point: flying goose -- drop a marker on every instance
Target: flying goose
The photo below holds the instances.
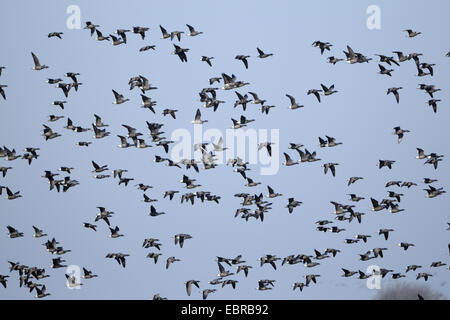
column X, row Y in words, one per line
column 433, row 103
column 171, row 260
column 428, row 66
column 311, row 278
column 41, row 293
column 119, row 98
column 206, row 292
column 244, row 268
column 100, row 36
column 90, row 226
column 122, row 34
column 405, row 246
column 154, row 213
column 145, row 48
column 3, row 170
column 400, row 133
column 385, row 163
column 423, row 275
column 192, row 31
column 98, row 169
column 412, row 267
column 292, row 204
column 322, row 45
column 179, row 238
column 37, row 65
column 207, row 60
column 355, row 198
column 38, row 233
column 243, row 58
column 1, row 69
column 14, row 233
column 316, row 92
column 294, row 104
column 378, row 252
column 72, row 281
column 385, row 232
column 180, row 52
column 387, row 60
column 88, row 274
column 141, row 31
column 189, row 284
column 401, row 57
column 412, row 34
column 3, row 280
column 272, row 194
column 348, row 273
column 394, row 91
column 119, row 257
column 330, row 166
column 328, row 91
column 56, row 263
column 170, row 111
column 430, row 89
column 263, row 55
column 352, row 180
column 90, row 26
column 154, row 256
column 242, row 100
column 383, row 70
column 334, row 60
column 2, row 92
column 12, row 195
column 115, row 232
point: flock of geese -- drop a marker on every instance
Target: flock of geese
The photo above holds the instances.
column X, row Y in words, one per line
column 253, row 206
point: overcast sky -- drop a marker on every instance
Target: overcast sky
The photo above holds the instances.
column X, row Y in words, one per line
column 360, row 115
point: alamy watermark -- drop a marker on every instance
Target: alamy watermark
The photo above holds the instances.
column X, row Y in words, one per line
column 243, row 143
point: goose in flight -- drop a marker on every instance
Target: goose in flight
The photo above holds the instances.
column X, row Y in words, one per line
column 171, row 260
column 3, row 170
column 328, row 91
column 292, row 203
column 198, row 119
column 243, row 58
column 119, row 257
column 294, row 104
column 180, row 52
column 38, row 233
column 385, row 232
column 192, row 31
column 119, row 99
column 98, row 169
column 289, row 161
column 400, row 133
column 433, row 103
column 376, row 206
column 41, row 293
column 423, row 275
column 412, row 34
column 179, row 238
column 88, row 274
column 154, row 213
column 401, row 57
column 189, row 284
column 316, row 92
column 37, row 65
column 207, row 60
column 355, row 198
column 12, row 195
column 348, row 273
column 405, row 246
column 394, row 91
column 177, row 34
column 145, row 48
column 385, row 163
column 322, row 45
column 206, row 292
column 100, row 36
column 331, row 166
column 13, row 233
column 387, row 60
column 90, row 226
column 352, row 180
column 242, row 100
column 72, row 281
column 2, row 91
column 383, row 70
column 115, row 232
column 123, row 34
column 141, row 31
column 263, row 55
column 433, row 192
column 90, row 26
column 334, row 60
